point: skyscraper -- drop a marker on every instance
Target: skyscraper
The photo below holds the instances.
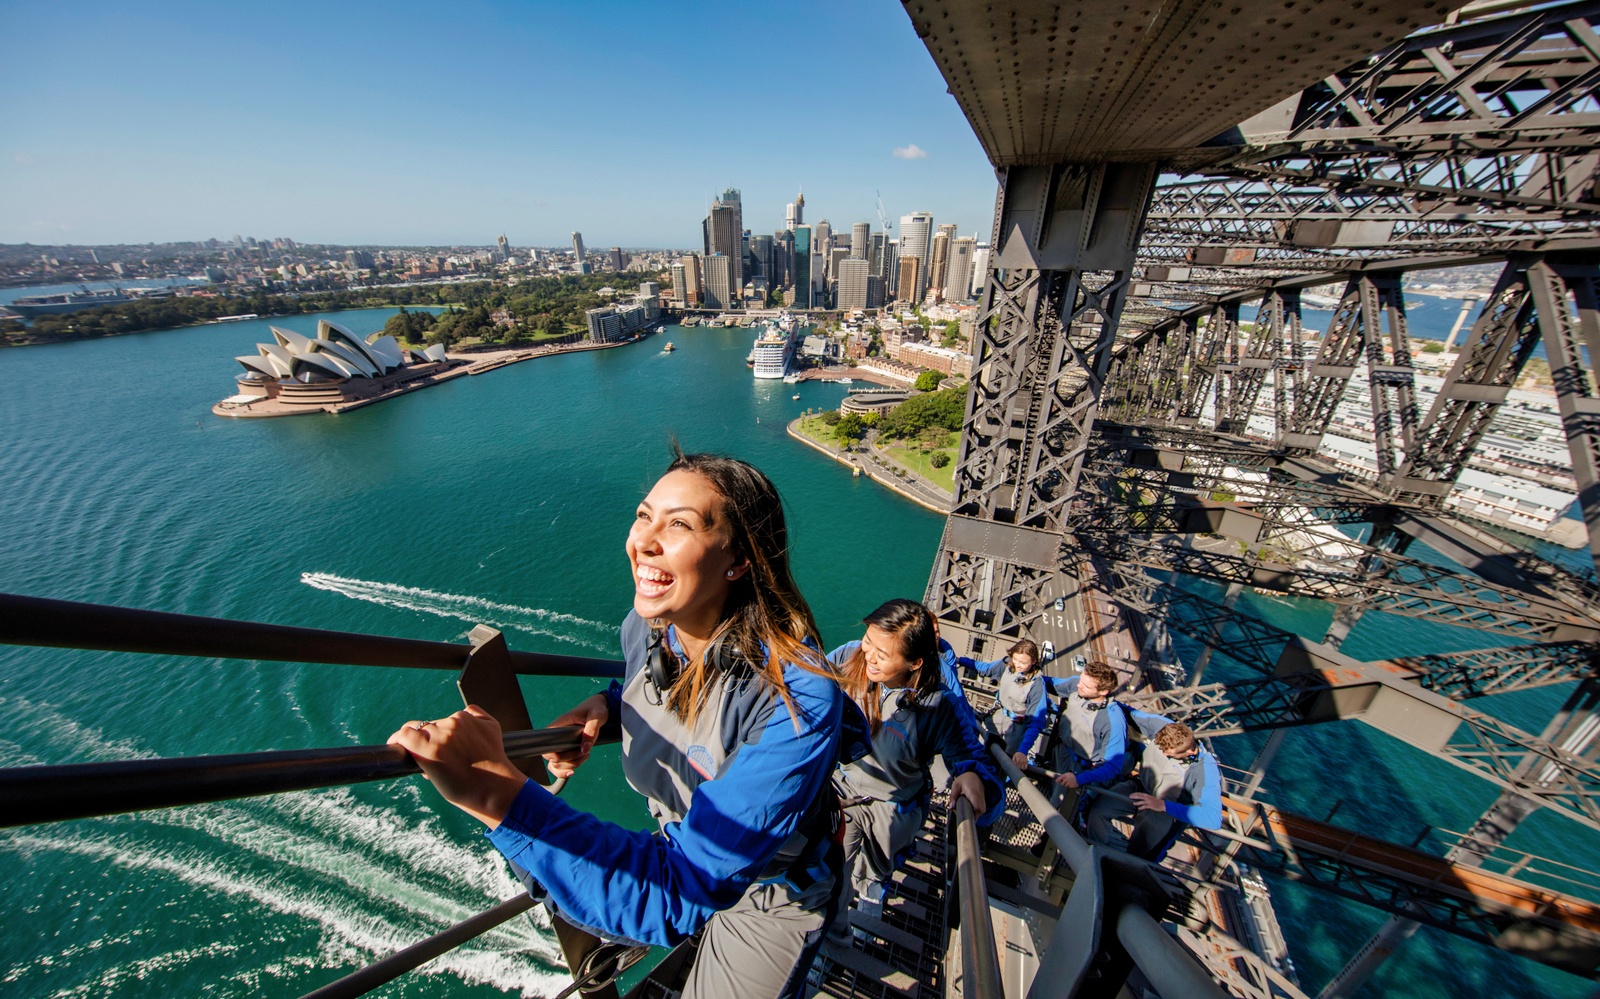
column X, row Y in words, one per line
column 837, row 256
column 502, row 244
column 794, row 214
column 938, row 260
column 860, row 240
column 617, row 263
column 761, row 250
column 680, row 284
column 916, row 235
column 980, row 269
column 577, row 250
column 909, row 280
column 854, row 280
column 958, row 272
column 719, row 282
column 732, row 199
column 822, row 238
column 724, row 236
column 802, row 267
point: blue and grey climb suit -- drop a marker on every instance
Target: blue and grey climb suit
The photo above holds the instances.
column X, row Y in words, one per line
column 736, row 796
column 888, row 790
column 1021, row 710
column 1192, row 792
column 1091, row 740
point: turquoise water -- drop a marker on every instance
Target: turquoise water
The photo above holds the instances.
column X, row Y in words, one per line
column 502, row 499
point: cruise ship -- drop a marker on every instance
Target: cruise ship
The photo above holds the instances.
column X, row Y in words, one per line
column 774, row 346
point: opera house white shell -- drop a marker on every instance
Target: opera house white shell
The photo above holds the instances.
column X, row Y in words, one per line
column 335, row 354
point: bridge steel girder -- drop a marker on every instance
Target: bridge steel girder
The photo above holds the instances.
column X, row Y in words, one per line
column 1064, row 238
column 1396, row 585
column 1259, row 646
column 1566, row 295
column 1501, row 342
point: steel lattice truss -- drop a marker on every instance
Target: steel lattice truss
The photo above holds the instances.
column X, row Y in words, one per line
column 1480, row 743
column 1259, row 646
column 1391, row 583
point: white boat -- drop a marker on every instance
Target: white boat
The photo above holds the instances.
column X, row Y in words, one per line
column 791, row 379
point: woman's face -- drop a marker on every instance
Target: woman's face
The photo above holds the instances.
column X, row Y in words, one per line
column 1022, row 663
column 679, row 550
column 886, row 664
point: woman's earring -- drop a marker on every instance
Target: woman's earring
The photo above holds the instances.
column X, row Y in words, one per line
column 731, row 574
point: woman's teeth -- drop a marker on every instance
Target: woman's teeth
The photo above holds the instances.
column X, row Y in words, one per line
column 651, row 581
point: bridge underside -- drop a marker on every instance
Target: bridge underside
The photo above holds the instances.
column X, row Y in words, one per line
column 1163, row 167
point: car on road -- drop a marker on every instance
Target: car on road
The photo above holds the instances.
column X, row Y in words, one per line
column 1078, row 663
column 1061, row 603
column 1049, row 651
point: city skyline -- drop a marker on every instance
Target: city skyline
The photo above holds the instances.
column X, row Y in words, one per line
column 182, row 123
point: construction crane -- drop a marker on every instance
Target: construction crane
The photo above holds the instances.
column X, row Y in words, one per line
column 883, row 218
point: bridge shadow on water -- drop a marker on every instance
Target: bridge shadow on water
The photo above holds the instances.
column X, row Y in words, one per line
column 1380, row 787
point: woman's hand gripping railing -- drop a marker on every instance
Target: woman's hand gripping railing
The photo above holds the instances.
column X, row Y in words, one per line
column 83, row 790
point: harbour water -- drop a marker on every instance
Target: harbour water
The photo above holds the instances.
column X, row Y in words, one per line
column 501, row 499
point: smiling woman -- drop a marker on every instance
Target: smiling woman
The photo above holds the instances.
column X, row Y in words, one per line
column 731, row 724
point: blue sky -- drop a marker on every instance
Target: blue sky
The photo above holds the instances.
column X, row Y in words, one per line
column 403, row 122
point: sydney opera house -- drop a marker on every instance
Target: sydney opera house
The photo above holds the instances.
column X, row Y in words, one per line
column 335, row 370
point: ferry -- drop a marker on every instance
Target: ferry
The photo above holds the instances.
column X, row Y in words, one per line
column 669, row 348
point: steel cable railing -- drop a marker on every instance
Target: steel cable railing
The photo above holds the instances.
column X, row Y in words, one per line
column 64, row 624
column 980, row 963
column 85, row 790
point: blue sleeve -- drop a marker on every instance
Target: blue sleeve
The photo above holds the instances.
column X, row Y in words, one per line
column 951, row 662
column 1149, row 724
column 839, row 656
column 1038, row 709
column 614, row 699
column 1207, row 812
column 961, row 756
column 1116, row 748
column 970, row 734
column 660, row 889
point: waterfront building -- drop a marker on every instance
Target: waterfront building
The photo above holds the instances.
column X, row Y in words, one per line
column 578, row 256
column 853, row 285
column 980, row 269
column 794, row 214
column 958, row 272
column 861, row 240
column 605, row 324
column 916, row 234
column 305, row 374
column 693, row 280
column 802, row 267
column 719, row 286
column 907, row 283
column 936, row 358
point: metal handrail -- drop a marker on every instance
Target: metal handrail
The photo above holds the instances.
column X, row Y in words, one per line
column 66, row 624
column 359, row 983
column 980, row 962
column 84, row 790
column 1160, row 957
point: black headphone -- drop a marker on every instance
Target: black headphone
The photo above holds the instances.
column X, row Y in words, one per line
column 661, row 666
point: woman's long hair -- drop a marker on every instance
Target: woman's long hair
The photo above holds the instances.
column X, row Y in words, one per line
column 764, row 608
column 912, row 626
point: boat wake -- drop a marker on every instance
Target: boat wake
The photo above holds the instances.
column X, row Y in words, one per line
column 274, row 894
column 472, row 610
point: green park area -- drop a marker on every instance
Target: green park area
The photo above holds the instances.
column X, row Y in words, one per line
column 922, row 462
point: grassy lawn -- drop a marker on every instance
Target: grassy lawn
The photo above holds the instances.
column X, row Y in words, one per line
column 922, row 464
column 814, row 428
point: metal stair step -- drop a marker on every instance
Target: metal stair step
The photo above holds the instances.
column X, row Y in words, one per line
column 871, row 967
